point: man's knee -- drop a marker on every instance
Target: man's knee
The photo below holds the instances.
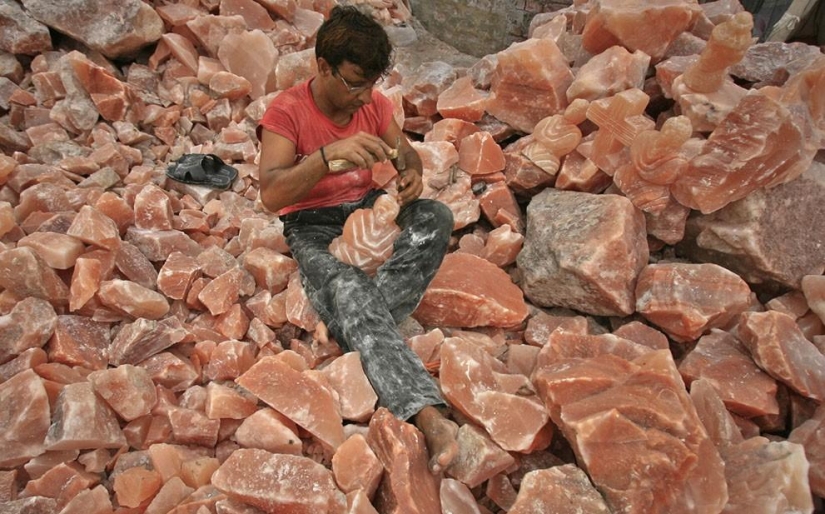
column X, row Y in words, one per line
column 430, row 216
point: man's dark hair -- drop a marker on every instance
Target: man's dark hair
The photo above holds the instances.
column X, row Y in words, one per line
column 350, row 35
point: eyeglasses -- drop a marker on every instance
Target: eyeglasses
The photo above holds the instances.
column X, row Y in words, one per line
column 356, row 90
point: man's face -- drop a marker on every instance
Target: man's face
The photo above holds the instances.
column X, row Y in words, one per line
column 353, row 90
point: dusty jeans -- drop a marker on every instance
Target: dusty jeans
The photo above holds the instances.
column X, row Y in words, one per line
column 363, row 312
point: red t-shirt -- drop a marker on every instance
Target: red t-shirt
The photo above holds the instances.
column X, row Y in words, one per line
column 294, row 115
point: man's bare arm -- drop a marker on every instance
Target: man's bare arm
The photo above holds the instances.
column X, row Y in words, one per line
column 284, row 182
column 410, row 185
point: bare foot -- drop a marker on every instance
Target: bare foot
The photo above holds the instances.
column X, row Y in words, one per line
column 440, row 435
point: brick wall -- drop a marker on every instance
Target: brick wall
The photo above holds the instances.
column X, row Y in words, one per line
column 481, row 27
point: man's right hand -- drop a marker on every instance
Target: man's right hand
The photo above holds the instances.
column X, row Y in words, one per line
column 363, row 150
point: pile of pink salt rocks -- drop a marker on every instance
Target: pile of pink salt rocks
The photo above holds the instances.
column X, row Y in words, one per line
column 629, row 319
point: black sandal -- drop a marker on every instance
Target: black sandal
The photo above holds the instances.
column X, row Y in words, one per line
column 202, row 170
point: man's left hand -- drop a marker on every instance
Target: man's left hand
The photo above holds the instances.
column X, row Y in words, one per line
column 409, row 186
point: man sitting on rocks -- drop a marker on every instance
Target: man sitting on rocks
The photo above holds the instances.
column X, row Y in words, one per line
column 337, row 115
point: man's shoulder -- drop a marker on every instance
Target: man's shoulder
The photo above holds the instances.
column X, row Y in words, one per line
column 296, row 95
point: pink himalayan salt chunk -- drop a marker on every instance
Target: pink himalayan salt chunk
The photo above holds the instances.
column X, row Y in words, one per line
column 228, row 85
column 24, row 418
column 355, row 466
column 359, row 503
column 26, row 274
column 177, row 275
column 132, row 299
column 478, row 458
column 171, row 493
column 282, row 8
column 583, row 252
column 95, row 228
column 90, row 501
column 143, row 338
column 190, row 426
column 233, row 323
column 646, row 335
column 408, row 484
column 479, row 154
column 8, row 485
column 127, row 389
column 36, row 504
column 269, row 430
column 452, row 130
column 229, row 360
column 614, row 22
column 198, row 472
column 811, row 435
column 297, row 397
column 210, row 30
column 541, row 325
column 521, row 358
column 278, row 483
column 462, row 101
column 685, row 300
column 270, row 268
column 216, row 261
column 368, row 236
column 42, row 464
column 177, row 46
column 170, row 371
column 776, row 151
column 792, row 303
column 158, row 245
column 724, row 362
column 422, row 88
column 131, row 262
column 26, row 360
column 59, row 251
column 468, row 291
column 223, row 292
column 563, row 344
column 668, row 225
column 43, row 197
column 7, row 221
column 85, row 282
column 780, row 348
column 254, row 14
column 813, row 287
column 561, row 489
column 308, row 21
column 480, row 387
column 80, row 341
column 457, row 498
column 136, row 485
column 633, row 412
column 62, row 482
column 579, row 173
column 30, row 324
column 355, row 393
column 767, row 476
column 153, row 209
column 292, row 68
column 299, row 311
column 83, row 421
column 258, row 68
column 718, row 421
column 500, row 207
column 228, row 402
column 608, row 73
column 501, row 491
column 529, row 83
